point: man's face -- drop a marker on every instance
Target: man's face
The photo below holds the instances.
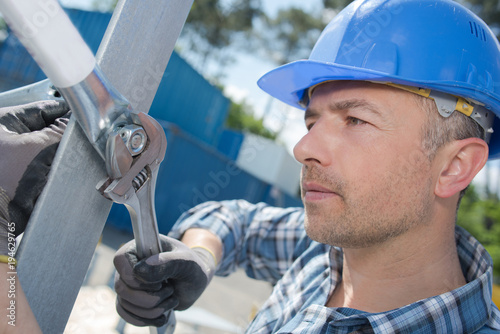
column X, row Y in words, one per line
column 365, row 177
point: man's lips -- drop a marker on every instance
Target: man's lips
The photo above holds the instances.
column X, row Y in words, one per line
column 315, row 192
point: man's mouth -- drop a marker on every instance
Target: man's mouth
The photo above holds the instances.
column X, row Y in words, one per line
column 313, row 191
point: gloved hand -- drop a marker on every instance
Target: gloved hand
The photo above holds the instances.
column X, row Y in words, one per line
column 171, row 280
column 29, row 136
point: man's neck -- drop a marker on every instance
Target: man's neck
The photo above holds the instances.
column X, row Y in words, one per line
column 418, row 265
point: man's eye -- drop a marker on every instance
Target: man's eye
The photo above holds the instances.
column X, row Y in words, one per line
column 355, row 121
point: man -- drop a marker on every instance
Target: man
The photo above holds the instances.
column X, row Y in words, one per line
column 394, row 137
column 400, row 99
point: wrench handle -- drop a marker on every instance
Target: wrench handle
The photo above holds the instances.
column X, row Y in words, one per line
column 143, row 215
column 144, row 224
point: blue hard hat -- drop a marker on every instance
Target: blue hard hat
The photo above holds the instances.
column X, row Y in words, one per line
column 434, row 44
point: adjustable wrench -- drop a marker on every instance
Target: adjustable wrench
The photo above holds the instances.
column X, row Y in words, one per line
column 132, row 179
column 133, row 158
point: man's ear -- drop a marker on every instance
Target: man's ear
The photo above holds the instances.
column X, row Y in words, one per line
column 462, row 160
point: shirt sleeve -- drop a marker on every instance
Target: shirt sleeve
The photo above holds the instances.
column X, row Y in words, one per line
column 261, row 239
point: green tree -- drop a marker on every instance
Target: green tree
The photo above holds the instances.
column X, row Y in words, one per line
column 336, row 4
column 104, row 5
column 292, row 34
column 289, row 36
column 241, row 118
column 3, row 30
column 213, row 26
column 482, row 219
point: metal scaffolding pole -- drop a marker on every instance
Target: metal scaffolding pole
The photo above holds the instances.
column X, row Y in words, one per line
column 69, row 217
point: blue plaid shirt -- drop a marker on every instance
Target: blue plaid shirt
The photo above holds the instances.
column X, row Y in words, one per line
column 271, row 244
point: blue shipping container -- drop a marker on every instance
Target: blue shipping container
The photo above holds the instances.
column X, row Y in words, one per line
column 230, row 143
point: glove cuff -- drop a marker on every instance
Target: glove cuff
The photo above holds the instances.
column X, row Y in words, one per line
column 209, row 260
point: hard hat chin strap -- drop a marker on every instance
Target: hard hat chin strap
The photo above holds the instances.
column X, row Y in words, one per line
column 447, row 104
column 478, row 113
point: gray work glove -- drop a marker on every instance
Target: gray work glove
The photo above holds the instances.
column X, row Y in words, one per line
column 29, row 136
column 173, row 280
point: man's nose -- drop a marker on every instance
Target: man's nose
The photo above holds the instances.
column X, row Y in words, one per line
column 315, row 147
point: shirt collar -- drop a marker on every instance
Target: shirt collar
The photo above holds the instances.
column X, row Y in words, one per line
column 465, row 309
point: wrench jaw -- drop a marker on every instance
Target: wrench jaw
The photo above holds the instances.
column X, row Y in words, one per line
column 140, row 205
column 132, row 180
column 118, row 162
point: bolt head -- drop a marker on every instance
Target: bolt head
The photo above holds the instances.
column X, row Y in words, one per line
column 134, row 137
column 137, row 140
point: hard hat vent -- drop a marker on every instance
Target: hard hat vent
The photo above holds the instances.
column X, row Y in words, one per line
column 477, row 30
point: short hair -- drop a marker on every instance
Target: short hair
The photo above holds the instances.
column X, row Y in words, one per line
column 439, row 131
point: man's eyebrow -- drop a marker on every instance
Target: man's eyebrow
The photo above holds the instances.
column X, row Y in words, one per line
column 347, row 105
column 309, row 113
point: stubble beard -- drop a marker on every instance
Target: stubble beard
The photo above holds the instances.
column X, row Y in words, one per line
column 353, row 221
